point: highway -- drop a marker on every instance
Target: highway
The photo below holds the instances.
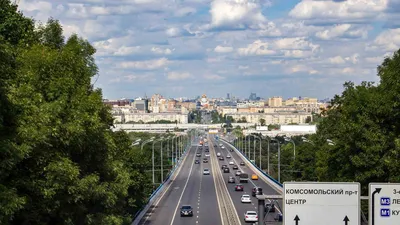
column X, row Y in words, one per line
column 241, row 208
column 190, row 187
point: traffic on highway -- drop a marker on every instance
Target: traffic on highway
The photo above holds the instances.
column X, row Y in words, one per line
column 214, row 185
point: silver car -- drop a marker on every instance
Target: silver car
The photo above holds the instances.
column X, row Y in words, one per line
column 206, row 171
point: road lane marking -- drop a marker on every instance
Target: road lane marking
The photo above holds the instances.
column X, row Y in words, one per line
column 250, row 179
column 184, row 188
column 166, row 190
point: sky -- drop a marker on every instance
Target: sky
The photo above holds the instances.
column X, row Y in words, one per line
column 186, row 48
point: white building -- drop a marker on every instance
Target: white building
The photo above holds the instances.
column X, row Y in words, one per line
column 131, row 115
column 273, row 118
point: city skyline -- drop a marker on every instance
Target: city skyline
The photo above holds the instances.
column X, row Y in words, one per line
column 270, row 47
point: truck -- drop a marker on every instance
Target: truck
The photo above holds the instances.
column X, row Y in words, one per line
column 244, row 178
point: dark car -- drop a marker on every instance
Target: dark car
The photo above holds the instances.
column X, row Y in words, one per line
column 197, row 161
column 186, row 210
column 198, row 155
column 226, row 170
column 242, row 163
column 256, row 191
column 215, row 145
column 223, row 166
column 205, row 160
column 235, row 167
column 221, row 158
column 231, row 180
column 270, row 207
column 231, row 150
column 239, row 187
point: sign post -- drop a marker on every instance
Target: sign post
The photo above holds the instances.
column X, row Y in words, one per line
column 317, row 203
column 384, row 204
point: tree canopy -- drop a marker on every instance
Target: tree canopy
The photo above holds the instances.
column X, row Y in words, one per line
column 59, row 161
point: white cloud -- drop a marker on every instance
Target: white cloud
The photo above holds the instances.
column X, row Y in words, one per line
column 256, row 48
column 343, row 31
column 330, row 11
column 354, row 59
column 235, row 12
column 145, row 65
column 161, row 51
column 178, row 75
column 213, row 77
column 388, row 40
column 222, row 49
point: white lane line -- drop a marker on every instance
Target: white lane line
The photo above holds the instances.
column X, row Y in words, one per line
column 184, row 188
column 170, row 185
column 252, row 172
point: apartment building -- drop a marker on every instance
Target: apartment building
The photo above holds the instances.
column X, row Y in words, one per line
column 273, row 118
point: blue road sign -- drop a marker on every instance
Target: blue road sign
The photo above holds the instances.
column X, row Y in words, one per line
column 385, row 212
column 385, row 201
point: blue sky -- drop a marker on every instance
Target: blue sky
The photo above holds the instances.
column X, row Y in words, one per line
column 185, row 48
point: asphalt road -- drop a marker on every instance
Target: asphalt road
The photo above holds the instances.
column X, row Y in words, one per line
column 190, row 187
column 241, row 208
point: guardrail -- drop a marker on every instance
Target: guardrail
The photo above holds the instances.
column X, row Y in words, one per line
column 142, row 212
column 274, row 183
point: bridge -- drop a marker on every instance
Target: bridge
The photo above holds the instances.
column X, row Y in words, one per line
column 213, row 199
column 162, row 128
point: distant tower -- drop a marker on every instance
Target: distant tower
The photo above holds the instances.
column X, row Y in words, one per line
column 228, row 96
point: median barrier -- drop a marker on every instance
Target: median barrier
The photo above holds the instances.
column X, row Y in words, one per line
column 158, row 192
column 266, row 177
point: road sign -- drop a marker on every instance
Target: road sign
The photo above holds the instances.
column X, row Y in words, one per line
column 317, row 203
column 384, row 204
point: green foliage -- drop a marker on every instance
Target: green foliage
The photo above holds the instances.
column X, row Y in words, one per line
column 262, row 122
column 59, row 161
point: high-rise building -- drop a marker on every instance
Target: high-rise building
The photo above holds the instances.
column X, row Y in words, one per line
column 253, row 97
column 275, row 101
column 228, row 96
column 141, row 104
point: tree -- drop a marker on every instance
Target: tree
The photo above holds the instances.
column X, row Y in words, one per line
column 60, row 161
column 262, row 122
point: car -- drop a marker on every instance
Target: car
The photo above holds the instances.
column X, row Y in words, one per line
column 239, row 187
column 231, row 150
column 231, row 163
column 196, row 161
column 238, row 173
column 235, row 167
column 221, row 158
column 215, row 145
column 206, row 171
column 254, row 177
column 269, row 207
column 245, row 199
column 205, row 160
column 231, row 180
column 256, row 191
column 242, row 163
column 251, row 216
column 223, row 166
column 218, row 154
column 207, row 155
column 186, row 210
column 226, row 170
column 223, row 147
column 228, row 156
column 198, row 155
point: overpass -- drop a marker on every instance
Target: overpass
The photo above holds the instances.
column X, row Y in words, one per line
column 213, row 199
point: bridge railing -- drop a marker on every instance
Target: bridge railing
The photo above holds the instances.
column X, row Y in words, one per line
column 263, row 175
column 158, row 192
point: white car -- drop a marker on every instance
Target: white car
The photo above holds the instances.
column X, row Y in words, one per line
column 246, row 199
column 206, row 171
column 231, row 163
column 251, row 216
column 223, row 147
column 218, row 154
column 228, row 156
column 207, row 155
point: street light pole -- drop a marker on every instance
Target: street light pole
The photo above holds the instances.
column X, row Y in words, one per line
column 152, row 159
column 294, row 147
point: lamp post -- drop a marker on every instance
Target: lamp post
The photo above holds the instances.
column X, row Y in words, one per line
column 152, row 158
column 279, row 159
column 145, row 142
column 255, row 149
column 288, row 139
